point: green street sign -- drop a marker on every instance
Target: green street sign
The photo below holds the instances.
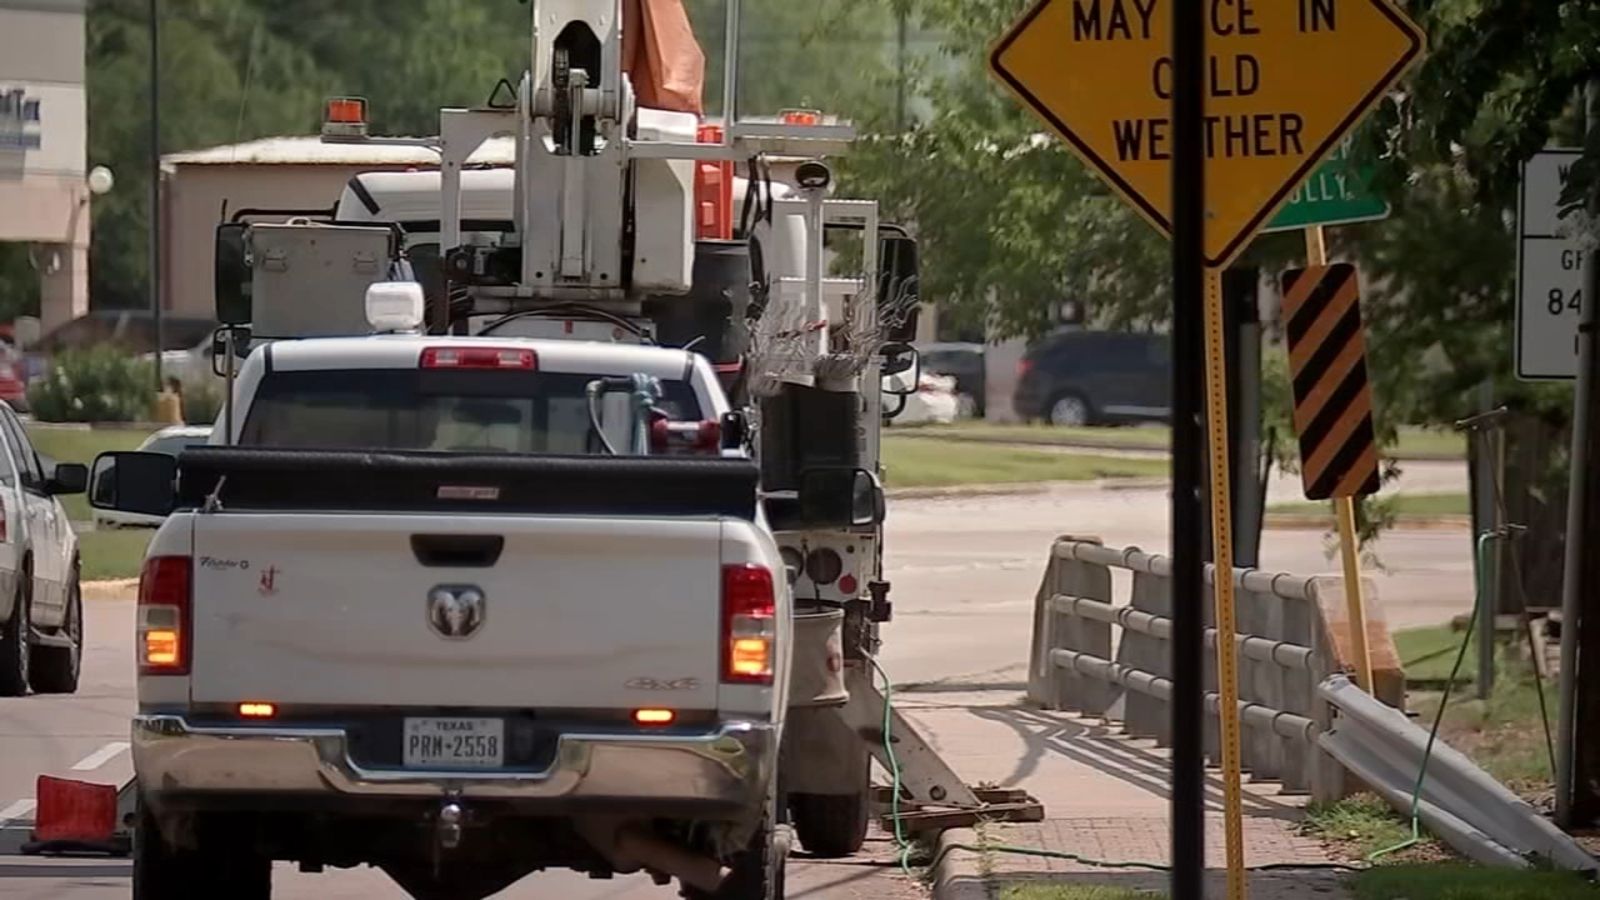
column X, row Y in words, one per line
column 1337, row 193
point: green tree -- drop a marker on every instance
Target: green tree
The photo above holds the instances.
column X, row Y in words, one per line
column 833, row 55
column 1011, row 223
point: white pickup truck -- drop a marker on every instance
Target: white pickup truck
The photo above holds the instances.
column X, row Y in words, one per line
column 418, row 616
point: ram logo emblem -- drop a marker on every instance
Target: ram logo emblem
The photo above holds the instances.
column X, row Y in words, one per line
column 456, row 611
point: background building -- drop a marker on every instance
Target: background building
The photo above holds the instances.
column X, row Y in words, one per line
column 44, row 200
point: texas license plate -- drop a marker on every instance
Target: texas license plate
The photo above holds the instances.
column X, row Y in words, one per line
column 454, row 743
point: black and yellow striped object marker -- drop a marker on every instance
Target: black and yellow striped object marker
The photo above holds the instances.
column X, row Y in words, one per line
column 1333, row 411
column 1332, row 395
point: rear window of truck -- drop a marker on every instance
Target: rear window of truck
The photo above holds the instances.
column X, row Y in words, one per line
column 447, row 411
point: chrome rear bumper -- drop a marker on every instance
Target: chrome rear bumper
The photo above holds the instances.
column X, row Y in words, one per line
column 726, row 767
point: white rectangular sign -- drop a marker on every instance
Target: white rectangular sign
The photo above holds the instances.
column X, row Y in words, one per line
column 1549, row 272
column 42, row 129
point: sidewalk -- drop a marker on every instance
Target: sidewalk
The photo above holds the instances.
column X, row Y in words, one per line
column 1106, row 798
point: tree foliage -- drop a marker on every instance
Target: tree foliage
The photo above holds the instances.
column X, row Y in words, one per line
column 1012, row 225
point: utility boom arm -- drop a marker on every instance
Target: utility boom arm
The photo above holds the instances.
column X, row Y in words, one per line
column 604, row 188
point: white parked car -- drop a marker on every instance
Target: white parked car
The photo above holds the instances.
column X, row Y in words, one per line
column 934, row 403
column 41, row 609
column 170, row 440
column 192, row 367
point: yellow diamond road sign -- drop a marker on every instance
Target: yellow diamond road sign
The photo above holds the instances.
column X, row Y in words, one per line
column 1285, row 81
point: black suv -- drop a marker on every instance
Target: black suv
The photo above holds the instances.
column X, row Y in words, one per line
column 1095, row 377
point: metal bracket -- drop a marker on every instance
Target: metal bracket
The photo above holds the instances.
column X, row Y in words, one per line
column 924, row 777
column 998, row 805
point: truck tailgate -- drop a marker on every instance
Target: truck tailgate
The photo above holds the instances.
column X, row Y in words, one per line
column 456, row 611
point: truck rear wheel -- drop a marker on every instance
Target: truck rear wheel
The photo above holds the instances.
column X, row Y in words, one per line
column 757, row 872
column 831, row 826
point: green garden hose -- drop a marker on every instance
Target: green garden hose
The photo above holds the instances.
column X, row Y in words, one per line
column 1438, row 717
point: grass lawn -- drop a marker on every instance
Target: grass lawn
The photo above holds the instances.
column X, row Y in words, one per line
column 1428, row 653
column 1362, row 825
column 81, row 445
column 1460, row 881
column 113, row 554
column 1414, row 442
column 917, row 462
column 1428, row 505
column 1505, row 734
column 1073, row 892
column 1144, row 437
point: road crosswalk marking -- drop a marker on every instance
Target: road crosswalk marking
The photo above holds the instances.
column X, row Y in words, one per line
column 18, row 810
column 100, row 757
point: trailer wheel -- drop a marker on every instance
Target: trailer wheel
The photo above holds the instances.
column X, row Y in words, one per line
column 832, row 826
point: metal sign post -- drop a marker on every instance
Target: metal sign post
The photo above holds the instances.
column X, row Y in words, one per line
column 1188, row 186
column 1222, row 582
column 1344, row 511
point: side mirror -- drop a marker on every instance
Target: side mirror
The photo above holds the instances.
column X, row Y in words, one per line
column 899, row 281
column 219, row 347
column 902, row 370
column 135, row 482
column 735, row 430
column 67, row 478
column 232, row 274
column 840, row 498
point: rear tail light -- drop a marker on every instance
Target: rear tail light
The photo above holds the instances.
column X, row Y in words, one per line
column 165, row 616
column 749, row 626
column 1024, row 366
column 478, row 358
column 5, row 533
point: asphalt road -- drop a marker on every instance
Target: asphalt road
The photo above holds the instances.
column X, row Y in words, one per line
column 964, row 572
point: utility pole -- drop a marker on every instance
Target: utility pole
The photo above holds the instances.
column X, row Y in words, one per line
column 900, row 76
column 155, row 183
column 1240, row 289
column 1577, row 765
column 1188, row 515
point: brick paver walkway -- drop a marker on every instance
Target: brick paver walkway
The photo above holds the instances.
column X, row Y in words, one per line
column 1105, row 796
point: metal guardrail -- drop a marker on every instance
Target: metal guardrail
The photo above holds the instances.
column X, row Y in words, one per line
column 1459, row 802
column 1094, row 656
